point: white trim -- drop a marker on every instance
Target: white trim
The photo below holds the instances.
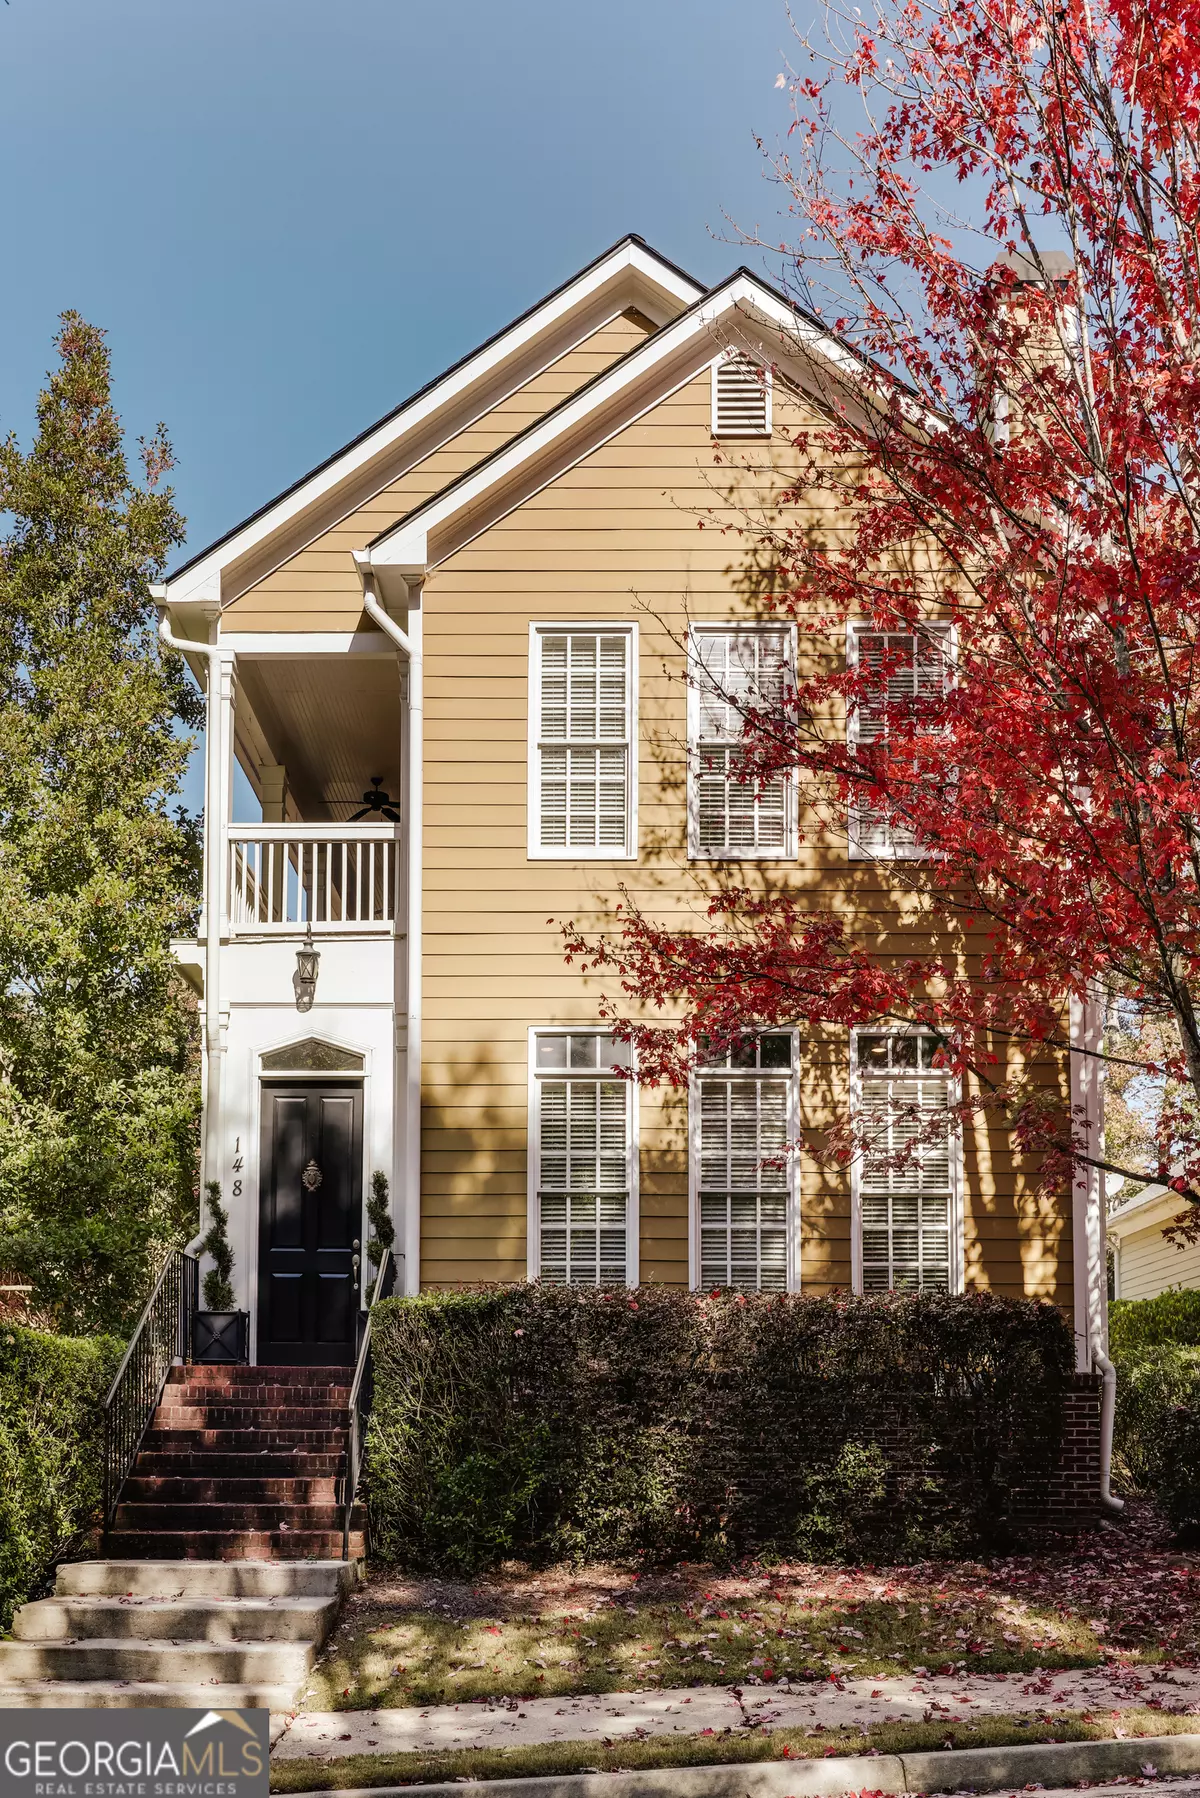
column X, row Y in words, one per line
column 534, row 848
column 957, row 1219
column 533, row 1149
column 768, row 381
column 723, row 627
column 794, row 1184
column 626, row 256
column 857, row 628
column 300, row 644
column 408, row 545
column 1090, row 1273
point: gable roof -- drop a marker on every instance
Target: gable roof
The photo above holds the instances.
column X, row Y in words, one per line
column 633, row 271
column 743, row 304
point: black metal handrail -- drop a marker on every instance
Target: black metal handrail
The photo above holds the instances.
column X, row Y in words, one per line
column 360, row 1404
column 163, row 1335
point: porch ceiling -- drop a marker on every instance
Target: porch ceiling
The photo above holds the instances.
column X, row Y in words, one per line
column 332, row 721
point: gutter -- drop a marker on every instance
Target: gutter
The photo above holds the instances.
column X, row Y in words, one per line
column 410, row 644
column 214, row 1048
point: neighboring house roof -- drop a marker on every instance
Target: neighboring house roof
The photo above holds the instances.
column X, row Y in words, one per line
column 1152, row 1205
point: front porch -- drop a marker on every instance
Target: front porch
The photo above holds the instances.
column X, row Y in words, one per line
column 302, row 968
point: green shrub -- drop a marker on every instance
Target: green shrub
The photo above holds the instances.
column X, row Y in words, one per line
column 1137, row 1324
column 1150, row 1385
column 1177, row 1486
column 51, row 1392
column 544, row 1422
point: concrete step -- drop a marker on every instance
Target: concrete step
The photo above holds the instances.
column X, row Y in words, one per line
column 164, row 1578
column 258, row 1464
column 222, row 1620
column 234, row 1545
column 265, row 1516
column 192, row 1489
column 100, row 1694
column 187, row 1663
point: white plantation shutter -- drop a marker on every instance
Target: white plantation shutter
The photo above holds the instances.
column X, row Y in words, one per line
column 741, row 398
column 584, row 1144
column 917, row 668
column 907, row 1209
column 584, row 707
column 743, row 1186
column 737, row 669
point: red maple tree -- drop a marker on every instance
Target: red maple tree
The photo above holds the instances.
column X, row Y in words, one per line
column 1018, row 478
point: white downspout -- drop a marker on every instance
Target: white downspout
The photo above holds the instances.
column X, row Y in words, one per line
column 214, row 1053
column 410, row 643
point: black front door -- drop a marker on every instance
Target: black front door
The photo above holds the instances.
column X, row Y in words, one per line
column 310, row 1212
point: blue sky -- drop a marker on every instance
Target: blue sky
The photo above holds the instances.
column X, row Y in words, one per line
column 290, row 214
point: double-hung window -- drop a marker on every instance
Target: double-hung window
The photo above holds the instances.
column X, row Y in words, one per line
column 902, row 669
column 583, row 1167
column 743, row 1207
column 736, row 669
column 582, row 771
column 907, row 1171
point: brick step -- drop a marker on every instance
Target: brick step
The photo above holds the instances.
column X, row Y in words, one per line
column 234, row 1545
column 161, row 1578
column 109, row 1694
column 263, row 1663
column 272, row 1398
column 144, row 1487
column 256, row 1464
column 217, row 1620
column 281, row 1441
column 221, row 1416
column 151, row 1516
column 266, row 1374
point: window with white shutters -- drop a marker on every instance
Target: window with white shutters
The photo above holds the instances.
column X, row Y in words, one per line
column 735, row 669
column 583, row 1161
column 581, row 774
column 907, row 1172
column 741, row 402
column 909, row 666
column 741, row 1128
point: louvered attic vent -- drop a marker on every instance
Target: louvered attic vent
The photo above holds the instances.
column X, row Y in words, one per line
column 741, row 398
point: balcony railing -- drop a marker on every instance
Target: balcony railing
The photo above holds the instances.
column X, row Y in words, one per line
column 285, row 878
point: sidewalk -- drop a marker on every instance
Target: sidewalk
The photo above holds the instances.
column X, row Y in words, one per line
column 509, row 1723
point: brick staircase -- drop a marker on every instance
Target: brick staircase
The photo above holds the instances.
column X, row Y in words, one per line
column 240, row 1464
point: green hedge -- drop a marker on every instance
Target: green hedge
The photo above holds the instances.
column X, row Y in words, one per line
column 545, row 1423
column 1136, row 1324
column 51, row 1392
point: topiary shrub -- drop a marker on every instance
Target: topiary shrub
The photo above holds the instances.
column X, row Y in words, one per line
column 1137, row 1324
column 52, row 1392
column 218, row 1281
column 547, row 1422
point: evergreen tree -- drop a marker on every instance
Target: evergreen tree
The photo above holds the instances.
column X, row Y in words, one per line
column 98, row 866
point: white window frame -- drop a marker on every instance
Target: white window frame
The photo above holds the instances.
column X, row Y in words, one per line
column 727, row 627
column 793, row 1187
column 768, row 380
column 956, row 1269
column 533, row 1254
column 856, row 628
column 535, row 849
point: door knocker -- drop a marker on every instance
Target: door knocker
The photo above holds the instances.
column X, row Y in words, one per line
column 311, row 1177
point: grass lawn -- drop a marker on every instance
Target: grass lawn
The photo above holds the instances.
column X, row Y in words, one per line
column 1121, row 1594
column 691, row 1751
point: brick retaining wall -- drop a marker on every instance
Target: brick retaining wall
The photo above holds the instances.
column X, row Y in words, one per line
column 1070, row 1496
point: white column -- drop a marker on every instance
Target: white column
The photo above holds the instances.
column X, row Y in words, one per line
column 218, row 805
column 409, row 1083
column 1086, row 1024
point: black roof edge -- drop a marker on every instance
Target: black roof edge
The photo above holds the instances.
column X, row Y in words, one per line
column 420, row 392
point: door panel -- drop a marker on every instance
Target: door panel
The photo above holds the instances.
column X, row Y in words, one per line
column 310, row 1208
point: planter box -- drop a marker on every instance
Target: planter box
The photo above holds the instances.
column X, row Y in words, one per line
column 221, row 1336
